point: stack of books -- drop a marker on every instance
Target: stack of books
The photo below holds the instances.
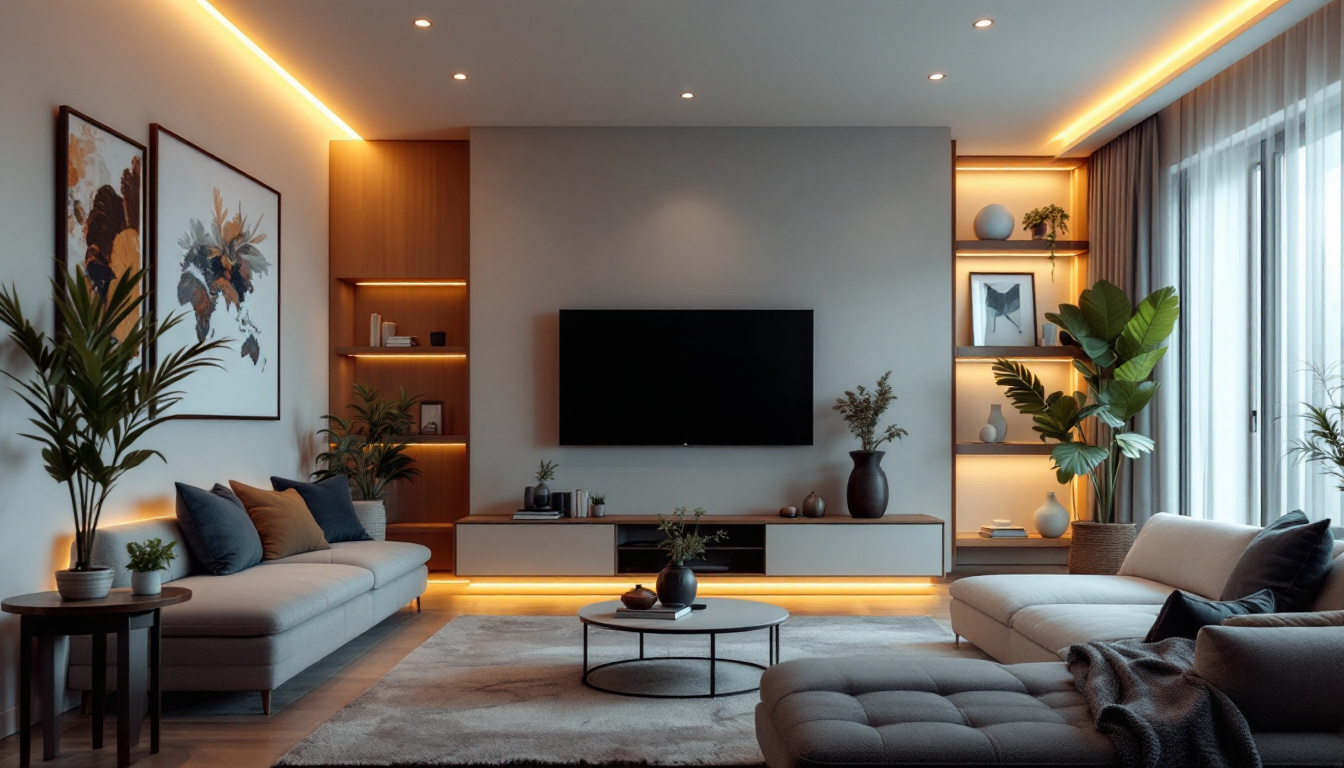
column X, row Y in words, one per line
column 402, row 341
column 537, row 514
column 998, row 531
column 656, row 612
column 580, row 500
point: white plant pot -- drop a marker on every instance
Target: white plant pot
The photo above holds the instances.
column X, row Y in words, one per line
column 598, row 510
column 372, row 515
column 1052, row 519
column 150, row 583
column 84, row 585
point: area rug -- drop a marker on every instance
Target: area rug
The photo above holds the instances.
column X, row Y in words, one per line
column 506, row 690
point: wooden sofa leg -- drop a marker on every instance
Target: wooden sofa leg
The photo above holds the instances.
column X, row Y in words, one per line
column 417, row 604
column 265, row 702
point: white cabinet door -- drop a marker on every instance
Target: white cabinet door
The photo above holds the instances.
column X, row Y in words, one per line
column 854, row 550
column 536, row 549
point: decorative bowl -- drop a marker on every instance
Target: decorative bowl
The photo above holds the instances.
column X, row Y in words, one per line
column 639, row 598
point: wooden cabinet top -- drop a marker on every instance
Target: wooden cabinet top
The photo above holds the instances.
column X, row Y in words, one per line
column 709, row 520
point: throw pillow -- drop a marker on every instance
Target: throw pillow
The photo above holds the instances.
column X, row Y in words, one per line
column 331, row 506
column 1183, row 613
column 1303, row 619
column 1281, row 678
column 1289, row 557
column 217, row 530
column 282, row 520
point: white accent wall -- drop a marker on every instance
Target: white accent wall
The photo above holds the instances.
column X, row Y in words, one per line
column 855, row 224
column 128, row 64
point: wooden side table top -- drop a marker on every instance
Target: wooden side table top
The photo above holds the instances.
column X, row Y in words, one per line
column 117, row 601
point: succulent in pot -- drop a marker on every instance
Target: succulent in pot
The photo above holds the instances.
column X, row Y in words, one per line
column 599, row 505
column 149, row 559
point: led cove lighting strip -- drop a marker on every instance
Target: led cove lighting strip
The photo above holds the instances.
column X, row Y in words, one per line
column 426, row 356
column 412, row 283
column 278, row 70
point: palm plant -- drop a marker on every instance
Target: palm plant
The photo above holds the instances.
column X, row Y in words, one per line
column 1121, row 344
column 1324, row 441
column 369, row 448
column 93, row 393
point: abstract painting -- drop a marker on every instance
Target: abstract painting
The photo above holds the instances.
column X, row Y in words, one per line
column 101, row 182
column 1003, row 309
column 216, row 248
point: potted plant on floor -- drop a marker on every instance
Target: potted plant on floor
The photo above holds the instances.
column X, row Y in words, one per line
column 1120, row 345
column 1044, row 224
column 369, row 450
column 149, row 559
column 95, row 392
column 866, row 492
column 676, row 582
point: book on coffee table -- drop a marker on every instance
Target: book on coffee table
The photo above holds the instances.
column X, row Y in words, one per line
column 657, row 612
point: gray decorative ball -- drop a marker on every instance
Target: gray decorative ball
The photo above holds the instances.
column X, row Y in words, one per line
column 994, row 222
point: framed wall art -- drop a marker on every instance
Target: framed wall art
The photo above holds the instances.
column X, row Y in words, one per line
column 216, row 256
column 1003, row 309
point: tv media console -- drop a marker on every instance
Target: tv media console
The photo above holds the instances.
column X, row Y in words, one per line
column 756, row 545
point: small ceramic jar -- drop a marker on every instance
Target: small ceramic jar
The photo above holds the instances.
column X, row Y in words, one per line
column 639, row 598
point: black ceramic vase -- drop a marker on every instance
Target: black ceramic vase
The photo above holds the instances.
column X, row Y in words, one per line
column 676, row 586
column 867, row 489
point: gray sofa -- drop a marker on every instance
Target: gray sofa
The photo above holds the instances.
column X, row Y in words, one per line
column 253, row 630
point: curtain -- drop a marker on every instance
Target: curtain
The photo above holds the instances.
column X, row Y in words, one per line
column 1126, row 248
column 1255, row 215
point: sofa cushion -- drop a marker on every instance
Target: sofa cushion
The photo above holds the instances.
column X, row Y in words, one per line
column 109, row 548
column 1184, row 614
column 1001, row 596
column 1290, row 557
column 1298, row 619
column 1281, row 678
column 1056, row 627
column 386, row 560
column 1331, row 597
column 262, row 601
column 1189, row 554
column 217, row 530
column 331, row 505
column 283, row 521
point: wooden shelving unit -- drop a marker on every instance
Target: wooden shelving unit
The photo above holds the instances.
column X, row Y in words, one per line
column 1039, row 249
column 421, row 351
column 1033, row 541
column 1017, row 353
column 1004, row 449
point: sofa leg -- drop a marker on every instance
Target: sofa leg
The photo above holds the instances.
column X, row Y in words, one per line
column 958, row 637
column 417, row 603
column 265, row 702
column 85, row 697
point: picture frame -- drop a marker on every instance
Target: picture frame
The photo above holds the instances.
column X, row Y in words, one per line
column 216, row 256
column 1003, row 309
column 100, row 203
column 431, row 417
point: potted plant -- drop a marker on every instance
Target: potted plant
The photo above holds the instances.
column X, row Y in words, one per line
column 149, row 559
column 369, row 449
column 599, row 505
column 95, row 392
column 1120, row 344
column 541, row 492
column 676, row 582
column 1324, row 441
column 1044, row 224
column 861, row 409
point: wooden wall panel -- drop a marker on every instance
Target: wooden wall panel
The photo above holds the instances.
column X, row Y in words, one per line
column 415, row 310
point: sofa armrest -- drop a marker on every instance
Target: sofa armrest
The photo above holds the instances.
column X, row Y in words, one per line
column 1281, row 678
column 1302, row 619
column 109, row 548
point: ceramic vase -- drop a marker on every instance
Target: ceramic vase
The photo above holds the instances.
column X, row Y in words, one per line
column 866, row 493
column 541, row 496
column 996, row 421
column 676, row 586
column 93, row 584
column 1051, row 518
column 148, row 583
column 994, row 222
column 814, row 505
column 372, row 514
column 639, row 598
column 598, row 510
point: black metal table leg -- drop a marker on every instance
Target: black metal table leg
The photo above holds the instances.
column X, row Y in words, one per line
column 585, row 651
column 25, row 692
column 99, row 687
column 155, row 698
column 777, row 631
column 713, row 660
column 641, row 645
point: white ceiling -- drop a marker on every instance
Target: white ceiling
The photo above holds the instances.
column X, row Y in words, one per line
column 1008, row 90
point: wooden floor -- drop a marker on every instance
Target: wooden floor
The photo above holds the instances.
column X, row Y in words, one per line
column 248, row 741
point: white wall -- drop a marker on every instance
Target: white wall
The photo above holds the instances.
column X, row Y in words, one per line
column 128, row 64
column 854, row 224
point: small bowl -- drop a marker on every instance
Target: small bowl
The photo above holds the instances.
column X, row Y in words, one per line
column 788, row 511
column 639, row 598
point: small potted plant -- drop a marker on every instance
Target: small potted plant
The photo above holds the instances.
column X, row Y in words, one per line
column 861, row 409
column 541, row 492
column 1044, row 224
column 676, row 582
column 149, row 559
column 599, row 505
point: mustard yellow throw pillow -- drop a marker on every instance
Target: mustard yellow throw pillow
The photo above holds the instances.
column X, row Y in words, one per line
column 283, row 521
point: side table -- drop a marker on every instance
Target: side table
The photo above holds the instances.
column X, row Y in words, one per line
column 45, row 617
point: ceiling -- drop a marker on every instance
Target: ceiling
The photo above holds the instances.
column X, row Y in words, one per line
column 1009, row 89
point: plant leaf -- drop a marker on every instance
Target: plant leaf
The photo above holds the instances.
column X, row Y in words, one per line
column 1153, row 321
column 1140, row 367
column 1133, row 444
column 1107, row 310
column 1078, row 458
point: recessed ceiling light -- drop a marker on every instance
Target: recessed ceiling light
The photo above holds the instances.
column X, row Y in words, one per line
column 984, row 23
column 937, row 76
column 688, row 95
column 424, row 23
column 460, row 76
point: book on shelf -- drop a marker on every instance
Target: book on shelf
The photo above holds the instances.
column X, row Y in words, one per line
column 1002, row 532
column 537, row 514
column 402, row 341
column 657, row 612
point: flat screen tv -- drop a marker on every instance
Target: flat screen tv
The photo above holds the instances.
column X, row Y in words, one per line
column 685, row 377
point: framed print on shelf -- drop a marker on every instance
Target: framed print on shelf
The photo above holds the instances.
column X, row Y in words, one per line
column 100, row 208
column 216, row 255
column 1003, row 309
column 431, row 417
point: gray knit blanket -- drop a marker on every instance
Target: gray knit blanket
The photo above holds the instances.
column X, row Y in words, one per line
column 1157, row 712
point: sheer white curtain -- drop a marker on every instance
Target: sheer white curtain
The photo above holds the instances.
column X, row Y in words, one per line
column 1255, row 214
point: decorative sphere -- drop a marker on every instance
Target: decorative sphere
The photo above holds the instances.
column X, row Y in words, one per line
column 994, row 222
column 988, row 434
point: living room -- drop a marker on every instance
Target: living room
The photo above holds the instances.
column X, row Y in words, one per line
column 721, row 384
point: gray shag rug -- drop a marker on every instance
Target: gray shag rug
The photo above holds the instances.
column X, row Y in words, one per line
column 506, row 690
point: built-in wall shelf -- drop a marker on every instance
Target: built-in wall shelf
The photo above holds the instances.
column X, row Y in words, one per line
column 405, row 282
column 448, row 352
column 436, row 439
column 1017, row 248
column 1005, row 449
column 1032, row 541
column 1019, row 353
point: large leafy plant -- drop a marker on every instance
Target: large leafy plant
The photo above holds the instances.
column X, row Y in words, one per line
column 1121, row 344
column 369, row 447
column 92, row 392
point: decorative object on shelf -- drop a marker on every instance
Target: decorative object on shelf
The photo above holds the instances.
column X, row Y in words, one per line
column 788, row 512
column 147, row 562
column 389, row 329
column 541, row 492
column 866, row 492
column 993, row 222
column 676, row 582
column 438, row 338
column 1049, row 334
column 216, row 250
column 988, row 434
column 375, row 330
column 997, row 421
column 598, row 507
column 814, row 505
column 93, row 395
column 431, row 417
column 639, row 598
column 1051, row 518
column 1003, row 529
column 1046, row 223
column 1121, row 344
column 101, row 223
column 528, row 501
column 1003, row 309
column 1323, row 443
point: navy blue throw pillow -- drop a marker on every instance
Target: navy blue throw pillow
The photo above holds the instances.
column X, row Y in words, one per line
column 1183, row 614
column 1290, row 558
column 330, row 503
column 217, row 530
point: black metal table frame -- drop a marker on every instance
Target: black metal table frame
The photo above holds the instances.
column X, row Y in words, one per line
column 772, row 643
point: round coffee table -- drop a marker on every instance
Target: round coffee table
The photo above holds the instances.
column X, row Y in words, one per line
column 721, row 616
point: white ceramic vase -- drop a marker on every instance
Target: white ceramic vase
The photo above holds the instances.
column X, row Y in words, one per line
column 994, row 222
column 93, row 584
column 372, row 514
column 996, row 421
column 148, row 583
column 1051, row 518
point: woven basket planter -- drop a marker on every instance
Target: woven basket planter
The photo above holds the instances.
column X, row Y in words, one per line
column 1100, row 548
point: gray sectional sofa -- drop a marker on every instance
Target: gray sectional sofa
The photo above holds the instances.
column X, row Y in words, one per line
column 255, row 629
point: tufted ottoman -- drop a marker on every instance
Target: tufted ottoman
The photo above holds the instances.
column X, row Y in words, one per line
column 896, row 710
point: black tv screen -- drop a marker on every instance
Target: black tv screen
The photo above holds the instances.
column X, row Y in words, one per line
column 685, row 377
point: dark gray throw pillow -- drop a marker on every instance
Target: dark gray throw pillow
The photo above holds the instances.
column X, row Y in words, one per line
column 1183, row 614
column 331, row 505
column 1290, row 557
column 217, row 530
